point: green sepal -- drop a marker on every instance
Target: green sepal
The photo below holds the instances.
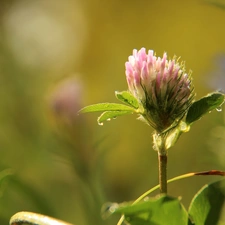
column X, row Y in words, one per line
column 100, row 107
column 173, row 135
column 206, row 207
column 127, row 98
column 158, row 210
column 203, row 106
column 107, row 116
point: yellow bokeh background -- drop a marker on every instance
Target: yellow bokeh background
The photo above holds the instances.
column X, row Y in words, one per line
column 44, row 43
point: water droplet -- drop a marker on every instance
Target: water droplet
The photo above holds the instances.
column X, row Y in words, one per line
column 184, row 127
column 100, row 124
column 108, row 208
column 108, row 119
column 219, row 109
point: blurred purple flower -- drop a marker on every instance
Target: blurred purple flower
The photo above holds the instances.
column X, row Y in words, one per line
column 217, row 78
column 66, row 100
column 161, row 86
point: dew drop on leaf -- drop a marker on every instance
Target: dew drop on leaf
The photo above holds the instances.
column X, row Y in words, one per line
column 108, row 119
column 108, row 208
column 219, row 109
column 100, row 124
column 184, row 127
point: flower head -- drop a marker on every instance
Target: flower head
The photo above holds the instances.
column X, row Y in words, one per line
column 163, row 88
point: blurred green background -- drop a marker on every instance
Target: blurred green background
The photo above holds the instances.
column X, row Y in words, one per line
column 58, row 56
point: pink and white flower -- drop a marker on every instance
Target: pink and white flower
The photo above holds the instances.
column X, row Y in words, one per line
column 162, row 87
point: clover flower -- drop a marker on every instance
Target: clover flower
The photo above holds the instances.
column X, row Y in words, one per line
column 162, row 87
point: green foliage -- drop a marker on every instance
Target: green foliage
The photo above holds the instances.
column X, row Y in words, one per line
column 108, row 115
column 113, row 110
column 207, row 204
column 159, row 210
column 100, row 107
column 205, row 208
column 128, row 98
column 196, row 111
column 203, row 106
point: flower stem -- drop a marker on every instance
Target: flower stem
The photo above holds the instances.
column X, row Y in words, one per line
column 159, row 144
column 162, row 158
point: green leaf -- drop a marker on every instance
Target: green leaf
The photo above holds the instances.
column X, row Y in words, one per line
column 106, row 107
column 128, row 98
column 203, row 106
column 158, row 211
column 30, row 218
column 107, row 116
column 206, row 206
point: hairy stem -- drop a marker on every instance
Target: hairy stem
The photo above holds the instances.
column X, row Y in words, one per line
column 162, row 158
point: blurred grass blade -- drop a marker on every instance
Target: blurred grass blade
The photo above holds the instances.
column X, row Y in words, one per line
column 100, row 107
column 206, row 206
column 5, row 173
column 127, row 98
column 203, row 106
column 107, row 116
column 31, row 194
column 217, row 3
